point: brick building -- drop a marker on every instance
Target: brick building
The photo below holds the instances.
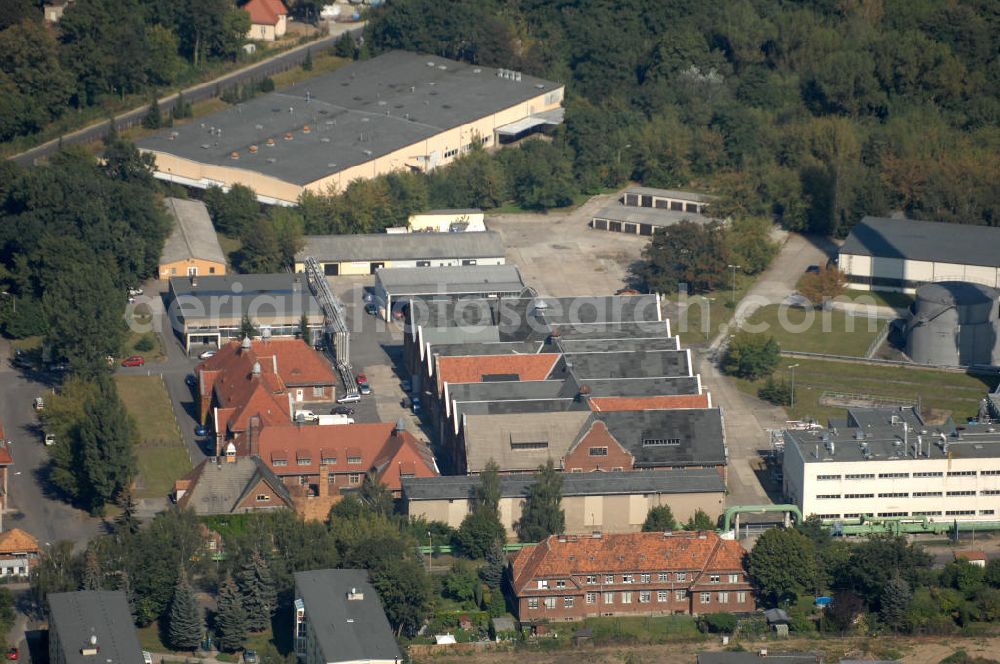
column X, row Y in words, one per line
column 571, row 578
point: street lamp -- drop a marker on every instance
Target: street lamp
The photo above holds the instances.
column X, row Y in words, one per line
column 791, row 367
column 732, row 297
column 430, row 552
column 618, row 159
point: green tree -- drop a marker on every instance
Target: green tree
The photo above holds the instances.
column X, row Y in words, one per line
column 894, row 601
column 127, row 522
column 496, row 565
column 542, row 514
column 257, row 589
column 659, row 518
column 782, row 565
column 376, row 496
column 461, row 581
column 688, row 253
column 876, row 560
column 186, row 621
column 750, row 243
column 106, row 437
column 777, row 392
column 153, row 118
column 487, row 493
column 344, row 46
column 234, row 210
column 818, row 287
column 699, row 521
column 231, row 622
column 247, row 328
column 304, row 329
column 751, row 356
column 479, row 532
column 125, row 585
column 31, row 73
column 58, row 570
column 405, row 591
column 92, row 576
column 261, row 250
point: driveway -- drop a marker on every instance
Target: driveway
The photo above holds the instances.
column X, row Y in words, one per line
column 30, row 506
column 747, row 419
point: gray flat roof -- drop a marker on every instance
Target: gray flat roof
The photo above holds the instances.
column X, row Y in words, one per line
column 193, row 235
column 640, row 363
column 346, row 630
column 698, row 434
column 652, row 216
column 104, row 614
column 693, row 196
column 361, row 111
column 583, row 315
column 402, row 246
column 232, row 295
column 457, row 487
column 483, row 348
column 961, row 244
column 450, row 280
column 627, row 344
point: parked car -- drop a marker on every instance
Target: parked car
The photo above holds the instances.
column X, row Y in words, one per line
column 135, row 291
column 349, row 398
column 200, row 430
column 206, row 354
column 250, row 657
column 812, row 269
column 364, row 388
column 371, row 309
column 13, row 654
column 133, row 361
column 341, row 410
column 416, row 405
column 38, row 403
column 306, row 416
column 147, row 657
column 361, row 378
column 191, row 380
column 50, row 439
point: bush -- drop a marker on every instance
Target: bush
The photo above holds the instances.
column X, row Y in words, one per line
column 145, row 343
column 777, row 392
column 267, row 84
column 717, row 623
column 751, row 356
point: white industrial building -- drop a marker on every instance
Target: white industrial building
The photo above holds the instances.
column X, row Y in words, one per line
column 887, row 462
column 394, row 287
column 904, row 254
column 460, row 220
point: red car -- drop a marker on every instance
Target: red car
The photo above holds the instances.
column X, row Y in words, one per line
column 13, row 654
column 361, row 379
column 133, row 361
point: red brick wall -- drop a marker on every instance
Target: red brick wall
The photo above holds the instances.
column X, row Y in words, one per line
column 261, row 488
column 599, row 438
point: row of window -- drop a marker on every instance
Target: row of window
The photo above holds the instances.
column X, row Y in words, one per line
column 626, row 597
column 307, row 461
column 916, row 494
column 661, row 577
column 897, row 476
column 918, row 513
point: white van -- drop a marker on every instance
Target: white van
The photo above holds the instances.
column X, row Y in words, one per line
column 324, row 420
column 306, row 416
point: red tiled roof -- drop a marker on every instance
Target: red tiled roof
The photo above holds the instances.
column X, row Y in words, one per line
column 229, row 379
column 629, row 552
column 649, row 403
column 970, row 555
column 378, row 445
column 472, row 368
column 16, row 540
column 265, row 12
column 5, row 457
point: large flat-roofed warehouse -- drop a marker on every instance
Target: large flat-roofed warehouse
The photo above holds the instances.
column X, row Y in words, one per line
column 394, row 112
column 193, row 247
column 904, row 254
column 666, row 199
column 396, row 286
column 211, row 309
column 368, row 252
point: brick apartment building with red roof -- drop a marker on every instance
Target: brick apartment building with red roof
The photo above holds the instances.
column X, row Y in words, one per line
column 341, row 455
column 570, row 577
column 259, row 384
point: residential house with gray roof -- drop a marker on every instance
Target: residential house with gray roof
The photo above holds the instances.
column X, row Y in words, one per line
column 92, row 627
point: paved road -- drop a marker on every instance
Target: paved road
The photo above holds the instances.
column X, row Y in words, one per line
column 196, row 93
column 748, row 418
column 30, row 507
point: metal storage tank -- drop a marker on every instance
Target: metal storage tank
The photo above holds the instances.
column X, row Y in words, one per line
column 954, row 323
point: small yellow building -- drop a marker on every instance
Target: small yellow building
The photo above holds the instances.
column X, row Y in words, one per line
column 268, row 19
column 445, row 221
column 193, row 247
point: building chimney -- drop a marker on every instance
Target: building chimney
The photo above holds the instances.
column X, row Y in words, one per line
column 400, row 427
column 322, row 488
column 354, row 595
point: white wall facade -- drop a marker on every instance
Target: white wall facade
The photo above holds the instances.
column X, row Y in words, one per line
column 876, row 273
column 963, row 489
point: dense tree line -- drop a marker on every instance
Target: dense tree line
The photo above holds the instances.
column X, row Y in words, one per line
column 814, row 113
column 878, row 583
column 105, row 48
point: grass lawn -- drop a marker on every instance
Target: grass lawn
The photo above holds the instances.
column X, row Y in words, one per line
column 814, row 331
column 644, row 629
column 939, row 392
column 161, row 453
column 704, row 315
column 230, row 247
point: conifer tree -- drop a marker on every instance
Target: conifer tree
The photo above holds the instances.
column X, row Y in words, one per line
column 186, row 623
column 542, row 514
column 91, row 572
column 231, row 623
column 125, row 585
column 496, row 562
column 258, row 592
